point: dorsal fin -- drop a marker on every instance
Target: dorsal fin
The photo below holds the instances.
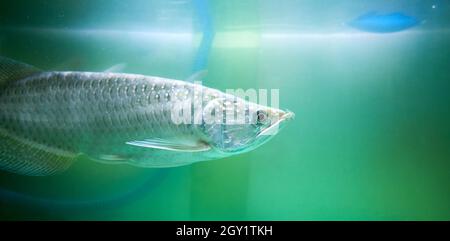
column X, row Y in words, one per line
column 117, row 68
column 197, row 76
column 11, row 70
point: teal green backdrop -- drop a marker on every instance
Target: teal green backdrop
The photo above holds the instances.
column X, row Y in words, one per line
column 371, row 136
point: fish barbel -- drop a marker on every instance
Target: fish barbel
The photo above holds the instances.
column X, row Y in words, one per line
column 48, row 119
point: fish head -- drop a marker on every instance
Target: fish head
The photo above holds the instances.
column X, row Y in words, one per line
column 241, row 126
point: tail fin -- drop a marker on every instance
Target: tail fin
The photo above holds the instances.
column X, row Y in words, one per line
column 11, row 70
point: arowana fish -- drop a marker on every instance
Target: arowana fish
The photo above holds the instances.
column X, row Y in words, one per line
column 48, row 119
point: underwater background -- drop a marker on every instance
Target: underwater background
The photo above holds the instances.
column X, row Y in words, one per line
column 371, row 137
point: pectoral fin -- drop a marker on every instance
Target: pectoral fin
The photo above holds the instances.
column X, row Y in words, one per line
column 182, row 146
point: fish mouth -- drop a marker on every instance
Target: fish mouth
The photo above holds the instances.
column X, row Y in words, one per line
column 275, row 127
column 288, row 115
column 267, row 134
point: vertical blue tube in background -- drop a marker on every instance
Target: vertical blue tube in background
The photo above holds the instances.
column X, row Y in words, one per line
column 203, row 12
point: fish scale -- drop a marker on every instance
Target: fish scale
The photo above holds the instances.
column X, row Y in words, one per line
column 68, row 100
column 57, row 105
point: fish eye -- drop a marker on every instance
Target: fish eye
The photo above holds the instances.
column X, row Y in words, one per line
column 262, row 117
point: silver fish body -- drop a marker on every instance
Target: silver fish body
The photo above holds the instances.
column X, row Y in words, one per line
column 48, row 119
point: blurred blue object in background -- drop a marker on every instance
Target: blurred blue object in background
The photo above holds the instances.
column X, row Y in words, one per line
column 384, row 23
column 204, row 15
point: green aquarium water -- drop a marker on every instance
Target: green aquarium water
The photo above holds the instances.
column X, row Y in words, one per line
column 371, row 134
